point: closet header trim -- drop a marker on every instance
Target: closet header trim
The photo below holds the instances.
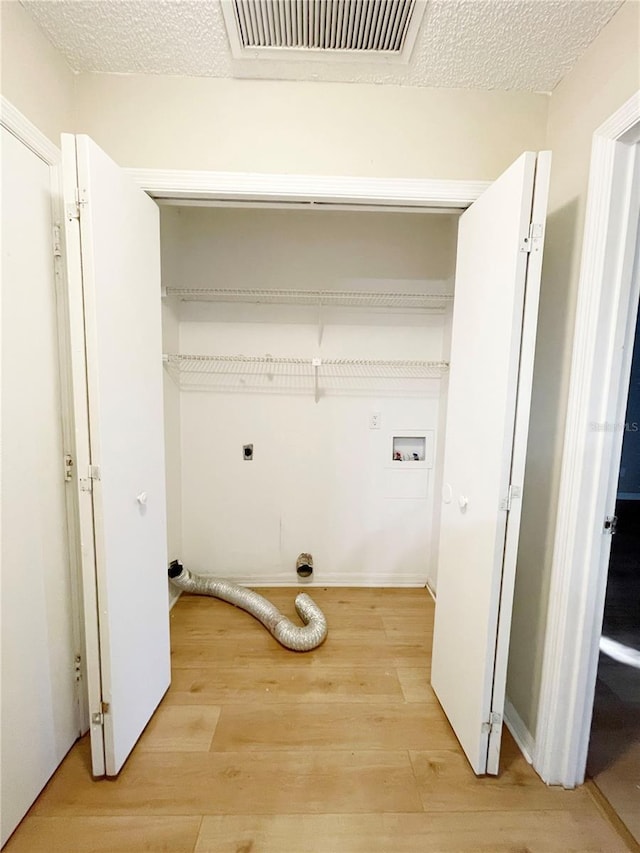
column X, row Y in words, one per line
column 246, row 187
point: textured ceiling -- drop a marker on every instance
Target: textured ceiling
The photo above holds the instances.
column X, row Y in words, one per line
column 471, row 44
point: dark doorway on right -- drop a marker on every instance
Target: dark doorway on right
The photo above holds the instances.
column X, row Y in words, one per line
column 614, row 748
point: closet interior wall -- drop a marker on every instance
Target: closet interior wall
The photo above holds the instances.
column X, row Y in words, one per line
column 173, row 458
column 322, row 478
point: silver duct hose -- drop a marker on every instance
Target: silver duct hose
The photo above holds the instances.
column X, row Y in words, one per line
column 286, row 633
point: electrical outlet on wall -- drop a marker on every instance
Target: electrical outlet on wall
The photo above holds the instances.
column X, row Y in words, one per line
column 375, row 420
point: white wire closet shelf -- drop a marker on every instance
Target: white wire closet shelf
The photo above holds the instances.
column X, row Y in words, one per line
column 436, row 302
column 301, row 375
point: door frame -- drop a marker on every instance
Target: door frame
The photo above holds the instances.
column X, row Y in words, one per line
column 254, row 190
column 307, row 191
column 29, row 135
column 579, row 568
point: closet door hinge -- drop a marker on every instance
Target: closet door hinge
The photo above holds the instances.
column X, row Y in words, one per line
column 73, row 209
column 513, row 492
column 97, row 718
column 493, row 724
column 610, row 524
column 77, row 667
column 68, row 467
column 57, row 242
column 86, row 483
column 533, row 239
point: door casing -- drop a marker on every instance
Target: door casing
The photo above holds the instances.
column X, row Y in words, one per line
column 606, row 299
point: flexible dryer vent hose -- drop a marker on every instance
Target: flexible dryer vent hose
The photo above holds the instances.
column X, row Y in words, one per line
column 298, row 639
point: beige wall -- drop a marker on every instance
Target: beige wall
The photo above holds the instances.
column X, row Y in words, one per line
column 604, row 78
column 308, row 128
column 34, row 76
column 268, row 126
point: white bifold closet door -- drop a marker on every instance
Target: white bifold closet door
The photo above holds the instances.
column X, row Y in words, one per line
column 113, row 255
column 497, row 288
column 39, row 718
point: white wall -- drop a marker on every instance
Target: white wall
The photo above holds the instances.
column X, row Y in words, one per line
column 321, row 479
column 438, row 471
column 227, row 248
column 170, row 247
column 308, row 128
column 34, row 76
column 172, row 437
column 603, row 79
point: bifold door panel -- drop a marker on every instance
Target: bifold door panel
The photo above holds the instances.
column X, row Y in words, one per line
column 113, row 245
column 39, row 712
column 493, row 340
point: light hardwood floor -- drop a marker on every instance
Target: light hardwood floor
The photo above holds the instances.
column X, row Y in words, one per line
column 341, row 750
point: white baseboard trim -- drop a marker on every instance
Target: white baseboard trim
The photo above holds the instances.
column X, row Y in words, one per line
column 520, row 732
column 290, row 579
column 174, row 595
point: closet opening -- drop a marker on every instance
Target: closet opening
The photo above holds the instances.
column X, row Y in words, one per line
column 319, row 338
column 312, row 337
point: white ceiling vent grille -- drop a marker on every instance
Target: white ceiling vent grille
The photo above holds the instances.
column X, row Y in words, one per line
column 322, row 29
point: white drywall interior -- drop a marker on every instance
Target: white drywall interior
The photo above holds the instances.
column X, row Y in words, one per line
column 309, row 249
column 321, row 479
column 171, row 341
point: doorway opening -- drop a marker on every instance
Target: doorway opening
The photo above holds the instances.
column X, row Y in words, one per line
column 614, row 745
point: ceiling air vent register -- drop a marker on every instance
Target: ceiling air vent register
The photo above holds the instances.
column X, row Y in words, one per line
column 345, row 30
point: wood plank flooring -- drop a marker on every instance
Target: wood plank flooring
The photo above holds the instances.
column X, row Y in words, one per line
column 344, row 749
